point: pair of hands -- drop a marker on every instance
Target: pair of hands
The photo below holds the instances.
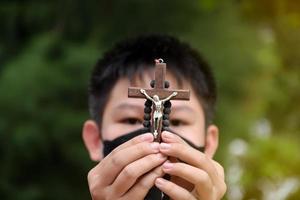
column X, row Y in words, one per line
column 137, row 165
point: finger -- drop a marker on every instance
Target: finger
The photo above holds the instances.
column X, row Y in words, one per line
column 94, row 185
column 188, row 154
column 118, row 160
column 101, row 175
column 174, row 191
column 191, row 156
column 110, row 166
column 147, row 137
column 222, row 187
column 133, row 171
column 196, row 176
column 169, row 137
column 213, row 169
column 142, row 187
column 219, row 169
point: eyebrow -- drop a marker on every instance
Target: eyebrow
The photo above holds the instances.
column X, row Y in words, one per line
column 182, row 108
column 127, row 106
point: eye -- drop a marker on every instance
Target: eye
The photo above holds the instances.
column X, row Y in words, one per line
column 131, row 121
column 177, row 122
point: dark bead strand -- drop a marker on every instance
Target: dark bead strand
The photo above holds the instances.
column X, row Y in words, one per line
column 147, row 113
column 165, row 127
column 147, row 116
column 167, row 84
column 165, row 116
column 167, row 104
column 166, row 123
column 166, row 112
column 147, row 109
column 148, row 103
column 146, row 124
column 152, row 83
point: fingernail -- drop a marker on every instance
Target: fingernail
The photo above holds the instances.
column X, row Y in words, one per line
column 159, row 182
column 168, row 165
column 168, row 134
column 155, row 146
column 165, row 146
column 148, row 137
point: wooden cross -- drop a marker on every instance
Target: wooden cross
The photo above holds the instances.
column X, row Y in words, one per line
column 159, row 88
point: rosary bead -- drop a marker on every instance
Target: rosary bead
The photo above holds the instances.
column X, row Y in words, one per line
column 147, row 116
column 147, row 110
column 166, row 123
column 167, row 104
column 148, row 103
column 167, row 84
column 152, row 83
column 165, row 116
column 146, row 123
column 167, row 110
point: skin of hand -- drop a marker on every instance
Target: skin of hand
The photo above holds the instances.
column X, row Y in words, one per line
column 205, row 174
column 129, row 171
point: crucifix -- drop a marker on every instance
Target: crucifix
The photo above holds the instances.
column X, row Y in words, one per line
column 159, row 97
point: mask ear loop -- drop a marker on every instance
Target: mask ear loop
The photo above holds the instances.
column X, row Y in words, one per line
column 110, row 145
column 199, row 148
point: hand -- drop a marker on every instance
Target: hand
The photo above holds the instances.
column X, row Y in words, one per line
column 142, row 91
column 128, row 172
column 206, row 175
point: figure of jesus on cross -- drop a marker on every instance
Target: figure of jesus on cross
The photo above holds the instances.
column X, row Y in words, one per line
column 158, row 95
column 158, row 106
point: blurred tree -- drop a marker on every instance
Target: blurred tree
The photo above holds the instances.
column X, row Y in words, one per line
column 42, row 105
column 279, row 22
column 275, row 154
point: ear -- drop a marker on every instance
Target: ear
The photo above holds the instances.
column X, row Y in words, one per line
column 92, row 140
column 211, row 140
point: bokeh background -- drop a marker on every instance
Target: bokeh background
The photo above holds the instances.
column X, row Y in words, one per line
column 48, row 48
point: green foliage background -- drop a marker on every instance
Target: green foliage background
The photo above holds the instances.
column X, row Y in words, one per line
column 47, row 49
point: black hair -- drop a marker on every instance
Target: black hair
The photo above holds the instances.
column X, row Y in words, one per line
column 133, row 56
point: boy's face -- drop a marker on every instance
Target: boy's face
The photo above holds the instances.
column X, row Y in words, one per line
column 123, row 115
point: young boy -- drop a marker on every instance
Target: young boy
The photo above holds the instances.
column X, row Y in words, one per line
column 131, row 165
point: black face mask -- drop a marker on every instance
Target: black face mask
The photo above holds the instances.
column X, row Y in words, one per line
column 109, row 145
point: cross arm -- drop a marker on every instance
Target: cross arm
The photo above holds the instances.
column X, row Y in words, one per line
column 162, row 93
